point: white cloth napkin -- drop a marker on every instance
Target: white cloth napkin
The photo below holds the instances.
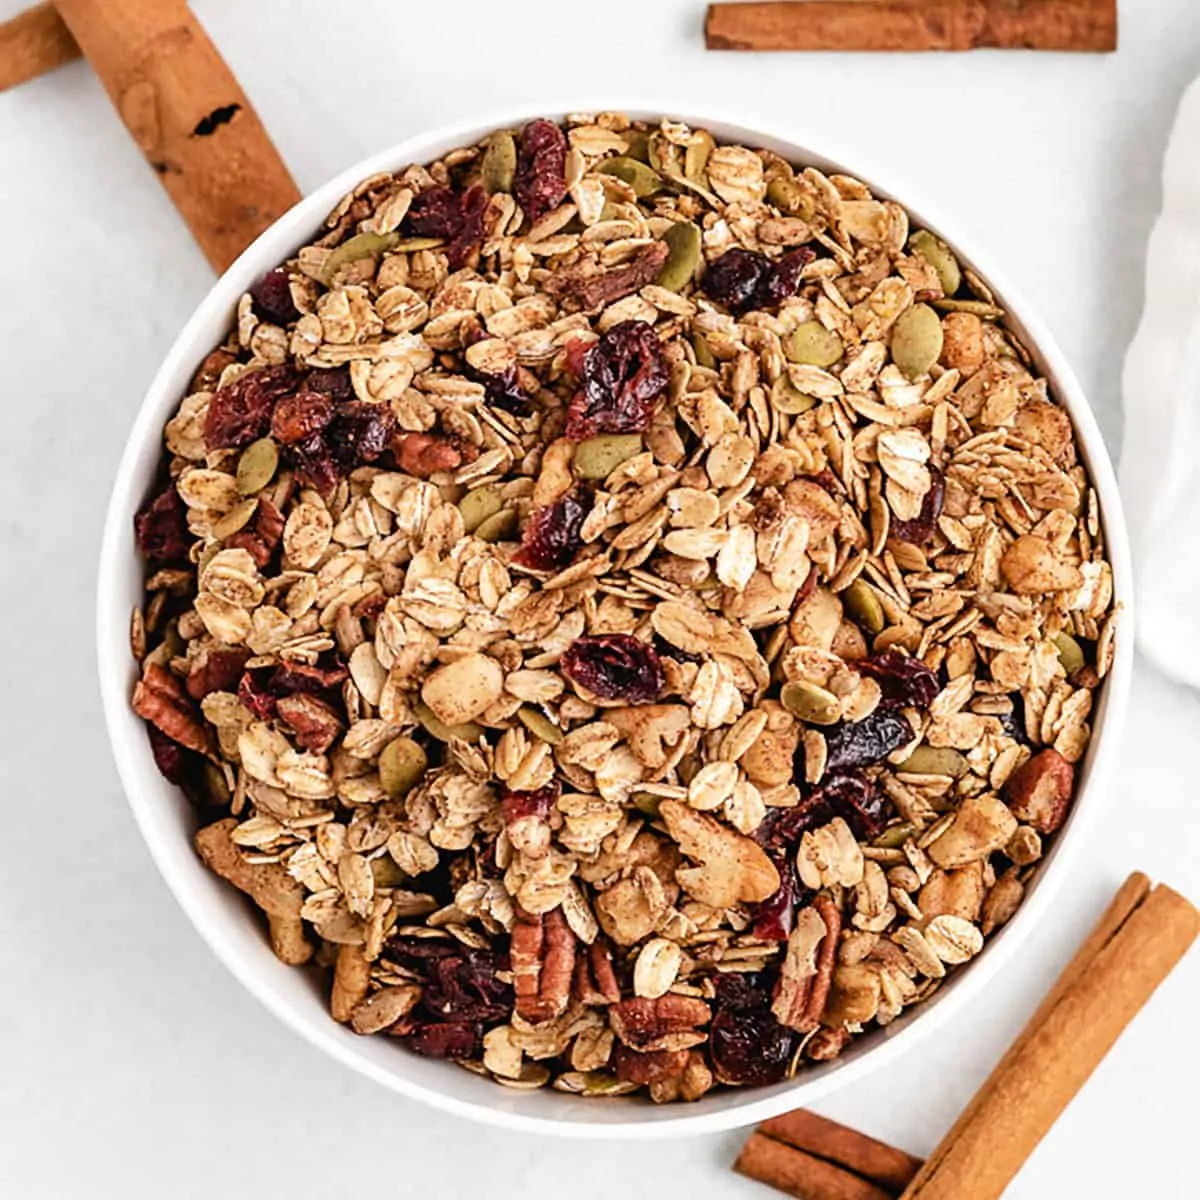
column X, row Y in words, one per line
column 1160, row 462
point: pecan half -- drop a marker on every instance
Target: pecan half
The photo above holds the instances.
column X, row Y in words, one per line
column 160, row 699
column 543, row 961
column 262, row 536
column 1040, row 791
column 636, row 1066
column 216, row 671
column 581, row 287
column 425, row 454
column 595, row 980
column 667, row 1023
column 807, row 971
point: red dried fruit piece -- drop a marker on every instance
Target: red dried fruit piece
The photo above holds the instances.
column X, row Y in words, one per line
column 300, row 416
column 314, row 464
column 170, row 757
column 623, row 375
column 261, row 539
column 615, row 666
column 441, row 212
column 538, row 803
column 333, row 382
column 860, row 743
column 161, row 528
column 298, row 677
column 241, row 412
column 359, row 433
column 254, row 694
column 747, row 1044
column 449, row 1040
column 772, row 918
column 904, row 680
column 539, row 182
column 922, row 528
column 220, row 671
column 846, row 794
column 744, row 279
column 1039, row 792
column 552, row 536
column 314, row 722
column 272, row 296
column 466, row 987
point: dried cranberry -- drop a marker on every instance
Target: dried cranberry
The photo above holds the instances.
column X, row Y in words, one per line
column 466, row 987
column 161, row 528
column 300, row 416
column 1013, row 721
column 415, row 952
column 333, row 382
column 538, row 803
column 241, row 412
column 441, row 212
column 772, row 918
column 922, row 528
column 782, row 828
column 261, row 538
column 298, row 677
column 314, row 464
column 746, row 1043
column 744, row 279
column 783, row 279
column 359, row 433
column 255, row 694
column 861, row 743
column 540, row 182
column 451, row 1040
column 734, row 279
column 615, row 666
column 504, row 390
column 170, row 757
column 856, row 799
column 903, row 679
column 552, row 536
column 272, row 296
column 623, row 374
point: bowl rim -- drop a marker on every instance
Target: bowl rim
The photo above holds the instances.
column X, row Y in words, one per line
column 737, row 1107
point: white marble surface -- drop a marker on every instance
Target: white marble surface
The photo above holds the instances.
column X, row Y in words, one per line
column 131, row 1064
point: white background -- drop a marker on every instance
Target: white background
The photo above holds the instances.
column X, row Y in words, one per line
column 131, row 1064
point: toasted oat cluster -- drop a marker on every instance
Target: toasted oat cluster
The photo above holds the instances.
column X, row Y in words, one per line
column 626, row 606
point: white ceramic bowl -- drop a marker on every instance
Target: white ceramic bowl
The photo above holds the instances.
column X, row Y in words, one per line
column 294, row 996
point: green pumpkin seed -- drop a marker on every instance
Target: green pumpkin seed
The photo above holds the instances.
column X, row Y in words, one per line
column 659, row 152
column 413, row 244
column 215, row 787
column 385, row 872
column 236, row 518
column 683, row 242
column 916, row 340
column 361, row 245
column 477, row 505
column 436, row 727
column 539, row 725
column 1070, row 653
column 646, row 802
column 704, row 356
column 811, row 343
column 787, row 398
column 864, row 608
column 790, row 198
column 639, row 144
column 499, row 162
column 979, row 308
column 895, row 837
column 940, row 257
column 257, row 465
column 695, row 157
column 935, row 760
column 598, row 457
column 401, row 766
column 499, row 527
column 810, row 702
column 644, row 180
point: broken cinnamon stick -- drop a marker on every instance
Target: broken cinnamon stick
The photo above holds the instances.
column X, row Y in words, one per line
column 802, row 1175
column 1088, row 25
column 189, row 116
column 32, row 43
column 1138, row 942
column 878, row 1162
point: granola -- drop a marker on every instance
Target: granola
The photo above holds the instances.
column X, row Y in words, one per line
column 625, row 607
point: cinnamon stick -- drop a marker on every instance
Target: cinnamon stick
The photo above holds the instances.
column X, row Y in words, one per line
column 802, row 1175
column 189, row 116
column 878, row 1162
column 1138, row 942
column 32, row 43
column 1089, row 25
